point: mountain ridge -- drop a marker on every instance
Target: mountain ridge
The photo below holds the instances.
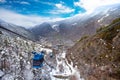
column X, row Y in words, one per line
column 14, row 30
column 78, row 26
column 97, row 56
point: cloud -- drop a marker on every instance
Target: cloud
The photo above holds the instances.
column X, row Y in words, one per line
column 90, row 5
column 47, row 3
column 61, row 9
column 24, row 20
column 26, row 3
column 2, row 1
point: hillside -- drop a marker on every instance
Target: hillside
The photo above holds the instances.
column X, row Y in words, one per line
column 15, row 31
column 16, row 59
column 98, row 57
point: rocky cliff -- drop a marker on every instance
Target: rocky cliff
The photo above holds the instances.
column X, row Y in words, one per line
column 98, row 57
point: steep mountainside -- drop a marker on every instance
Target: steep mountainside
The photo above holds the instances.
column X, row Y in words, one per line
column 16, row 60
column 14, row 30
column 98, row 57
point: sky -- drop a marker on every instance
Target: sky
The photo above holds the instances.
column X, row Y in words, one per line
column 33, row 12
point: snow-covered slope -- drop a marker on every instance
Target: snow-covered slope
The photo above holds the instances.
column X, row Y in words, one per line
column 15, row 58
column 64, row 70
column 16, row 62
column 14, row 30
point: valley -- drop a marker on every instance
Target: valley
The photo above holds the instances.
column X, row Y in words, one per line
column 82, row 47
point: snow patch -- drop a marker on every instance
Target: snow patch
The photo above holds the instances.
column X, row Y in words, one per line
column 46, row 49
column 28, row 74
column 100, row 20
column 1, row 73
column 74, row 24
column 55, row 27
column 8, row 77
column 64, row 70
column 63, row 55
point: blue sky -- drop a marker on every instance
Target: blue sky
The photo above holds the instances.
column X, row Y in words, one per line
column 33, row 12
column 45, row 8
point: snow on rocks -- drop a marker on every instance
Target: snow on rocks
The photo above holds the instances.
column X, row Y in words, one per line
column 15, row 58
column 46, row 49
column 28, row 74
column 17, row 52
column 8, row 77
column 1, row 73
column 64, row 70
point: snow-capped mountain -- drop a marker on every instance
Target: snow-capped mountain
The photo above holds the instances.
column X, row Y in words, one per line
column 84, row 24
column 43, row 29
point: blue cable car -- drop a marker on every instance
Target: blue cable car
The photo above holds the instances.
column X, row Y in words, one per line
column 38, row 59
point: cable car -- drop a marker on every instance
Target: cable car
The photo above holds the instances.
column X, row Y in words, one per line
column 38, row 59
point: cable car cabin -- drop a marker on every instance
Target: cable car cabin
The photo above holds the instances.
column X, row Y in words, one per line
column 38, row 60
